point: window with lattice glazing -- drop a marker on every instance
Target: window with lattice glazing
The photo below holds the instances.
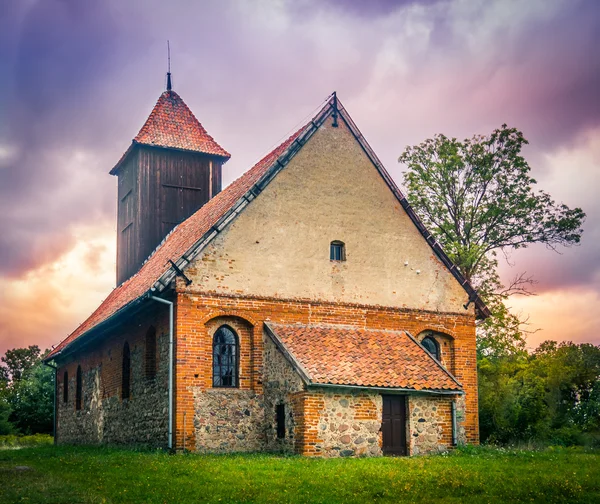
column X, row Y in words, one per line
column 225, row 358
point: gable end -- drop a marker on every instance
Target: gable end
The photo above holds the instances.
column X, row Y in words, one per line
column 334, row 108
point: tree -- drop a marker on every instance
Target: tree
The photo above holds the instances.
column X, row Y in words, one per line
column 478, row 199
column 6, row 427
column 552, row 394
column 31, row 400
column 18, row 361
column 26, row 392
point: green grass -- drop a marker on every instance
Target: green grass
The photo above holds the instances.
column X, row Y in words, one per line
column 19, row 441
column 95, row 475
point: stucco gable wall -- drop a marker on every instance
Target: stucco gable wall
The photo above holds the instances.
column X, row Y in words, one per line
column 279, row 245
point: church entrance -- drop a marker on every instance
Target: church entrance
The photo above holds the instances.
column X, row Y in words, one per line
column 393, row 425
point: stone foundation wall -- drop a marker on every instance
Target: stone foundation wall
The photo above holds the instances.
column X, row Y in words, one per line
column 342, row 424
column 104, row 417
column 228, row 420
column 430, row 424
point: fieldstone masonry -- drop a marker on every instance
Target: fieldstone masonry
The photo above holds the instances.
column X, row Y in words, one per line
column 430, row 424
column 105, row 418
column 281, row 383
column 319, row 422
column 349, row 424
column 228, row 420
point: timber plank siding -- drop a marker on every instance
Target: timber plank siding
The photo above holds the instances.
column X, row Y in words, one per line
column 158, row 189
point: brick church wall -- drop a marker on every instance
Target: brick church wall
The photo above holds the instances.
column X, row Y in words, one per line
column 322, row 423
column 104, row 417
column 216, row 419
column 263, row 385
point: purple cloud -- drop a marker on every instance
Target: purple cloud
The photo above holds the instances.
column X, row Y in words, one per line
column 84, row 76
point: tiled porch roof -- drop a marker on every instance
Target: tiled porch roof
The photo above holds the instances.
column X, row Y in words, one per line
column 350, row 356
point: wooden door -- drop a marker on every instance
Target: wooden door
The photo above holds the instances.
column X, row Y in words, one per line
column 393, row 425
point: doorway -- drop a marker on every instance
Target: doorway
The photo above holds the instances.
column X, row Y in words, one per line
column 393, row 425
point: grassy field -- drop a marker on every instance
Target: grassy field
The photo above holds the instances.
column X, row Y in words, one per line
column 95, row 475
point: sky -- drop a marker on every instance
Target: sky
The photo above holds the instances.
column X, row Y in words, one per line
column 78, row 79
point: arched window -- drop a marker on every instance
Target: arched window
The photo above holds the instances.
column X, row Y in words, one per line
column 66, row 387
column 225, row 358
column 432, row 346
column 337, row 251
column 78, row 389
column 126, row 372
column 151, row 353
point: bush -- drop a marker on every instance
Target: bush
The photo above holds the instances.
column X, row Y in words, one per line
column 13, row 441
column 6, row 427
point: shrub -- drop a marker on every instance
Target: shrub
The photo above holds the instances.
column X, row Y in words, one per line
column 14, row 441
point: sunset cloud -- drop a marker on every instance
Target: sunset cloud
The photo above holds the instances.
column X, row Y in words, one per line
column 48, row 302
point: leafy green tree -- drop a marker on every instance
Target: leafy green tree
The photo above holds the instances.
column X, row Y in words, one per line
column 477, row 197
column 32, row 401
column 26, row 392
column 552, row 394
column 4, row 376
column 572, row 383
column 18, row 361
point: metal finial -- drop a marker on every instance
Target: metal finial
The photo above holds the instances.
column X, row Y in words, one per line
column 169, row 87
column 335, row 110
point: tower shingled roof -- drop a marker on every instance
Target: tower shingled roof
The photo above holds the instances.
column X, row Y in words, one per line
column 173, row 125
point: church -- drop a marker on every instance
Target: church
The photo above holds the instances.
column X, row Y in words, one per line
column 303, row 309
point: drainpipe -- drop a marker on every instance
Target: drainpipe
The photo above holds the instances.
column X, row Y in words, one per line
column 54, row 405
column 170, row 303
column 454, row 423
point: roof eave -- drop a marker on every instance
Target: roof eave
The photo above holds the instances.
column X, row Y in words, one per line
column 389, row 390
column 98, row 329
column 224, row 157
column 437, row 363
column 115, row 169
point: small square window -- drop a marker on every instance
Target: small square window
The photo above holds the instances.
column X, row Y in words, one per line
column 337, row 251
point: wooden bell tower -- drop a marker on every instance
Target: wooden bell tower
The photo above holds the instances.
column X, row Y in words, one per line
column 171, row 169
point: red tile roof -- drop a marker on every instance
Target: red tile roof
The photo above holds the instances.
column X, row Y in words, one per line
column 177, row 243
column 342, row 355
column 173, row 125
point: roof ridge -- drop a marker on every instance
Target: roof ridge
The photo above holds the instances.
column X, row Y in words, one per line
column 333, row 325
